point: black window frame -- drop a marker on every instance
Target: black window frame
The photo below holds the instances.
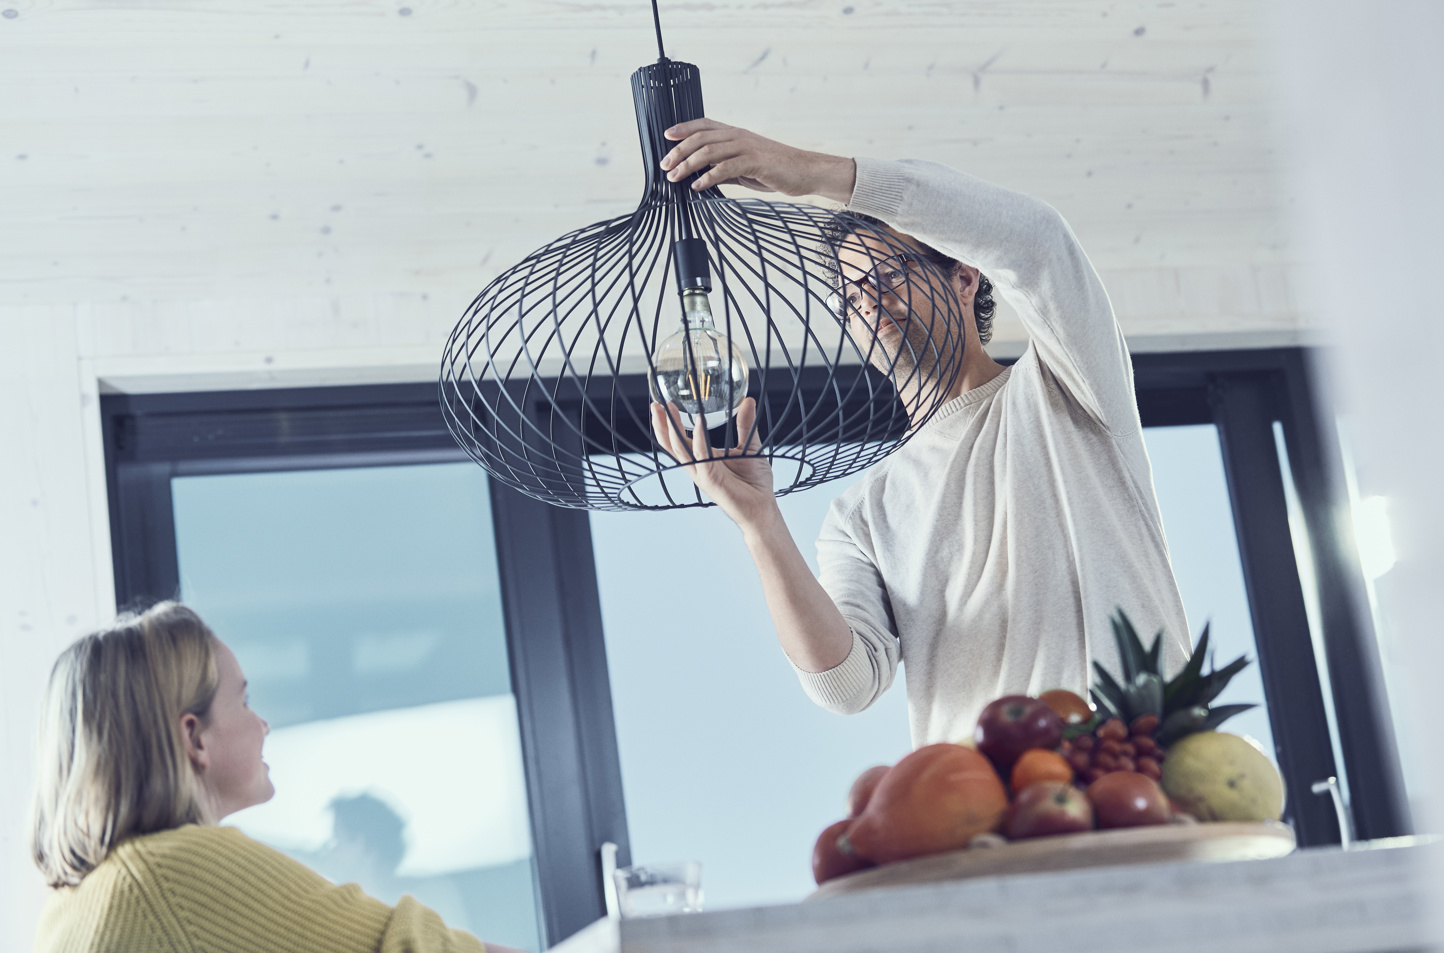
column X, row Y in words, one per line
column 552, row 607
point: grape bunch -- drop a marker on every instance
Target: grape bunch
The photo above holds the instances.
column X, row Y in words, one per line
column 1115, row 746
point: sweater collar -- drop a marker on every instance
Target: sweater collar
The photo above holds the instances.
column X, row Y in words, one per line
column 970, row 398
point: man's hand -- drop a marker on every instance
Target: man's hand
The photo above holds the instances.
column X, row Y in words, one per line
column 733, row 156
column 741, row 486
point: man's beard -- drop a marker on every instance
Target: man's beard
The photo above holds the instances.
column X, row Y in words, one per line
column 909, row 360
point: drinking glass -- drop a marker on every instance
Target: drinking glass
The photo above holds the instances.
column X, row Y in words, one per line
column 655, row 890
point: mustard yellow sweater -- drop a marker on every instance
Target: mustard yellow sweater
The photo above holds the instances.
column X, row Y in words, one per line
column 214, row 890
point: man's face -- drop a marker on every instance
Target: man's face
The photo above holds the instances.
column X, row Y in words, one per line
column 906, row 315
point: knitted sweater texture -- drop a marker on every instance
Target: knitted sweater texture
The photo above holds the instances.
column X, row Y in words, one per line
column 214, row 890
column 989, row 551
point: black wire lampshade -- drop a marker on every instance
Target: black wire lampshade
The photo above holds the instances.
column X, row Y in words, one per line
column 697, row 300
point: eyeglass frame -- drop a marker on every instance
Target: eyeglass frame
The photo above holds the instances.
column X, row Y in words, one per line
column 871, row 277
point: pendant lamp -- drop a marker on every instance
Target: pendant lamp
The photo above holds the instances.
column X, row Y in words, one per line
column 698, row 300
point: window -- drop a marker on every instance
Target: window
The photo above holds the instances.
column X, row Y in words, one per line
column 370, row 629
column 1193, row 499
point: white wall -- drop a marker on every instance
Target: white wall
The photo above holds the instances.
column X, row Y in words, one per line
column 1366, row 148
column 228, row 194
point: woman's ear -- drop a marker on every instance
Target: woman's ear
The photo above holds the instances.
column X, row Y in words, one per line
column 191, row 733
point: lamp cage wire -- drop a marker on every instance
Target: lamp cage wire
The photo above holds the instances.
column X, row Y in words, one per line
column 548, row 379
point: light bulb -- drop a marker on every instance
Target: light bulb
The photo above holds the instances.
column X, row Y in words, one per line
column 698, row 368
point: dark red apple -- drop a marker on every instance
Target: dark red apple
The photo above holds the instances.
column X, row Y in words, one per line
column 1128, row 799
column 1049, row 807
column 828, row 860
column 862, row 789
column 1012, row 725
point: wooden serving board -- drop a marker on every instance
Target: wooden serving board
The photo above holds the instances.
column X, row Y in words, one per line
column 1134, row 845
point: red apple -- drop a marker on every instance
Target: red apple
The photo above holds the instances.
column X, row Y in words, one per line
column 828, row 859
column 862, row 789
column 1049, row 807
column 1012, row 725
column 1128, row 799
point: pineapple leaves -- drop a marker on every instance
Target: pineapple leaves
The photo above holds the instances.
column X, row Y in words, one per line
column 1145, row 696
column 1221, row 714
column 1211, row 685
column 1154, row 652
column 1186, row 679
column 1130, row 647
column 1185, row 721
column 1105, row 710
column 1182, row 703
column 1108, row 693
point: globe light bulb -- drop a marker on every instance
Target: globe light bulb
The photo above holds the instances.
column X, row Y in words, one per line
column 699, row 369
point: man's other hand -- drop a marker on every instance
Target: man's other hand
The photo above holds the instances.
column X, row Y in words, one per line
column 740, row 485
column 732, row 156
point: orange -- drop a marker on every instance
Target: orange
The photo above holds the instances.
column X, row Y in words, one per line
column 1038, row 764
column 1072, row 708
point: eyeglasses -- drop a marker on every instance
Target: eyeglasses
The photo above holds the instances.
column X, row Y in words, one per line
column 886, row 275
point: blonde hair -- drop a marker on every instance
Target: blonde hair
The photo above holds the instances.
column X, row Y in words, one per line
column 113, row 762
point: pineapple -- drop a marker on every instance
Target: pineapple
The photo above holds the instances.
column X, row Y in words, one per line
column 1181, row 706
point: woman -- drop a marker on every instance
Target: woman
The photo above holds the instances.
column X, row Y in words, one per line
column 147, row 743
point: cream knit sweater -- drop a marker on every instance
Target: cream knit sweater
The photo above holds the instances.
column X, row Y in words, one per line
column 989, row 551
column 214, row 890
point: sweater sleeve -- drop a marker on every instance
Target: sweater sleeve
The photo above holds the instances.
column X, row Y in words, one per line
column 231, row 894
column 414, row 928
column 1031, row 255
column 851, row 578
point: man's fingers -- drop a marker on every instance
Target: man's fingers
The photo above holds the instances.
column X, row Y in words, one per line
column 701, row 449
column 695, row 143
column 667, row 424
column 692, row 126
column 710, row 155
column 662, row 430
column 746, row 420
column 722, row 173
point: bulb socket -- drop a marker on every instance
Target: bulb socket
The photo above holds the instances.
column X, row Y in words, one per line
column 693, row 272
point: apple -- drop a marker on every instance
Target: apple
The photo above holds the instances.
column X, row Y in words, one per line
column 1128, row 799
column 1049, row 807
column 828, row 858
column 1012, row 725
column 862, row 789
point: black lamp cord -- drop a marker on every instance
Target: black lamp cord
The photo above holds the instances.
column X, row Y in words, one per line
column 657, row 22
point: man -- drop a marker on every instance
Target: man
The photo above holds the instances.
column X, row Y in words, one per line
column 990, row 550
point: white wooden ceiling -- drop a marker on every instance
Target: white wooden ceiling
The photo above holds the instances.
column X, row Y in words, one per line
column 273, row 177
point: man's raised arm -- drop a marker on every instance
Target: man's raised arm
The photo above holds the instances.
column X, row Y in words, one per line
column 811, row 629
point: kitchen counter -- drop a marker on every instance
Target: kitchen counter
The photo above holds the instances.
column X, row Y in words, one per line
column 1324, row 900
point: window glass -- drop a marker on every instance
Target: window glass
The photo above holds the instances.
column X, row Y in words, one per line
column 1198, row 521
column 724, row 759
column 364, row 606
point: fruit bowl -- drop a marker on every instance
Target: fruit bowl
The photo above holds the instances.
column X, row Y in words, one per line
column 1134, row 845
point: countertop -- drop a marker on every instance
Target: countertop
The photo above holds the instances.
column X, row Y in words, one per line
column 1322, row 900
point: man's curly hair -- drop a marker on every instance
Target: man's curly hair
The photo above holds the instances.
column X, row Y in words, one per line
column 845, row 224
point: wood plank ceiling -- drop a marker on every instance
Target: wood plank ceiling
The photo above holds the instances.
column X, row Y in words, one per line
column 196, row 173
